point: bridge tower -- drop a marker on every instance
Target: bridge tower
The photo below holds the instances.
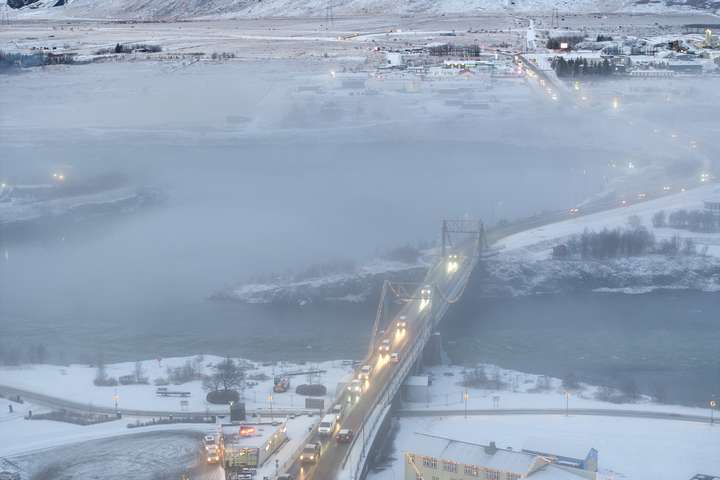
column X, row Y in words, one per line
column 465, row 228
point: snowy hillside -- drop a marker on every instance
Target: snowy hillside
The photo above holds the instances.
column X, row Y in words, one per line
column 143, row 9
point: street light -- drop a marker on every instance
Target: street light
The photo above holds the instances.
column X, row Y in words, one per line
column 465, row 398
column 567, row 403
column 272, row 418
column 713, row 404
column 115, row 398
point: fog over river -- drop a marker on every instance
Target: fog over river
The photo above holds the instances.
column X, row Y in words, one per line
column 136, row 285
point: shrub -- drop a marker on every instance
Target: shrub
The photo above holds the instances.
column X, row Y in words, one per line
column 312, row 390
column 222, row 397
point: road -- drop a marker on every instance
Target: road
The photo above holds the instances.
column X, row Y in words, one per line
column 60, row 403
column 603, row 412
column 417, row 314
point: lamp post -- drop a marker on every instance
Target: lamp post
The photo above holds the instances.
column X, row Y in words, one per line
column 272, row 418
column 116, row 398
column 567, row 403
column 465, row 399
column 713, row 404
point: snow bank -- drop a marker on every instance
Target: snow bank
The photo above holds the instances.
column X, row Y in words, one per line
column 525, row 265
column 636, row 449
column 353, row 287
column 75, row 383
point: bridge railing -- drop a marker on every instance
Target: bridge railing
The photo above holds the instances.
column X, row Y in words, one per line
column 373, row 421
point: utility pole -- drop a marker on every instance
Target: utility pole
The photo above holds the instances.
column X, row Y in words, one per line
column 567, row 403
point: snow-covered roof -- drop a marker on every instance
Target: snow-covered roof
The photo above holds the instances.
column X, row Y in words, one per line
column 500, row 459
column 473, row 454
column 557, row 447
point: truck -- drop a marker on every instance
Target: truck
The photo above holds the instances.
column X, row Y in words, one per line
column 281, row 384
column 327, row 425
column 240, row 462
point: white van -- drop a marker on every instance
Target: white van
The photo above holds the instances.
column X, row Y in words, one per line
column 327, row 425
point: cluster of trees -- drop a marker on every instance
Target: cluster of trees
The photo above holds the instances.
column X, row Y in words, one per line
column 10, row 60
column 607, row 243
column 222, row 55
column 604, row 38
column 571, row 40
column 693, row 220
column 455, row 50
column 633, row 241
column 130, row 48
column 12, row 354
column 576, row 67
column 478, row 378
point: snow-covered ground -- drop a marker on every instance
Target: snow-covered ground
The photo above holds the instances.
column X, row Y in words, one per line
column 304, row 8
column 354, row 286
column 75, row 383
column 16, row 212
column 525, row 265
column 21, row 440
column 537, row 243
column 524, row 390
column 636, row 449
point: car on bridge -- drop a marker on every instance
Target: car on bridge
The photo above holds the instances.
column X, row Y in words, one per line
column 384, row 347
column 401, row 323
column 395, row 357
column 209, row 441
column 365, row 372
column 355, row 386
column 213, row 454
column 310, row 453
column 344, row 435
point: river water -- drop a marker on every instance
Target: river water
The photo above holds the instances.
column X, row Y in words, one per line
column 137, row 285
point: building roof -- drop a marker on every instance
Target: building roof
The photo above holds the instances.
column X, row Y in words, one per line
column 501, row 459
column 554, row 446
column 472, row 454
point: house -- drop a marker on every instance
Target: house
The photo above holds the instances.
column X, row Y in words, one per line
column 440, row 458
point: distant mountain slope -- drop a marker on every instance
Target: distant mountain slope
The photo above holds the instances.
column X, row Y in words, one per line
column 167, row 9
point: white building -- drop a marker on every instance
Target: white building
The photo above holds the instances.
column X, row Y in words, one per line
column 439, row 458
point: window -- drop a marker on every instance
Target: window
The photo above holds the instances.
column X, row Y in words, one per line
column 492, row 475
column 472, row 470
column 430, row 462
column 450, row 467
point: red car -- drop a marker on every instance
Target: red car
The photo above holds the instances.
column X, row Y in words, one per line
column 345, row 435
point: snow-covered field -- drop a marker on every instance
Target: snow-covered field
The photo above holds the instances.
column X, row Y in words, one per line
column 537, row 243
column 75, row 383
column 523, row 390
column 292, row 8
column 636, row 449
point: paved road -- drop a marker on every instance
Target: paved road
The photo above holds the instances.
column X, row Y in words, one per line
column 604, row 412
column 60, row 403
column 358, row 407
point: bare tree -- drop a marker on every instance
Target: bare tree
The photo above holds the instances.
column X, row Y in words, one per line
column 227, row 375
column 139, row 373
